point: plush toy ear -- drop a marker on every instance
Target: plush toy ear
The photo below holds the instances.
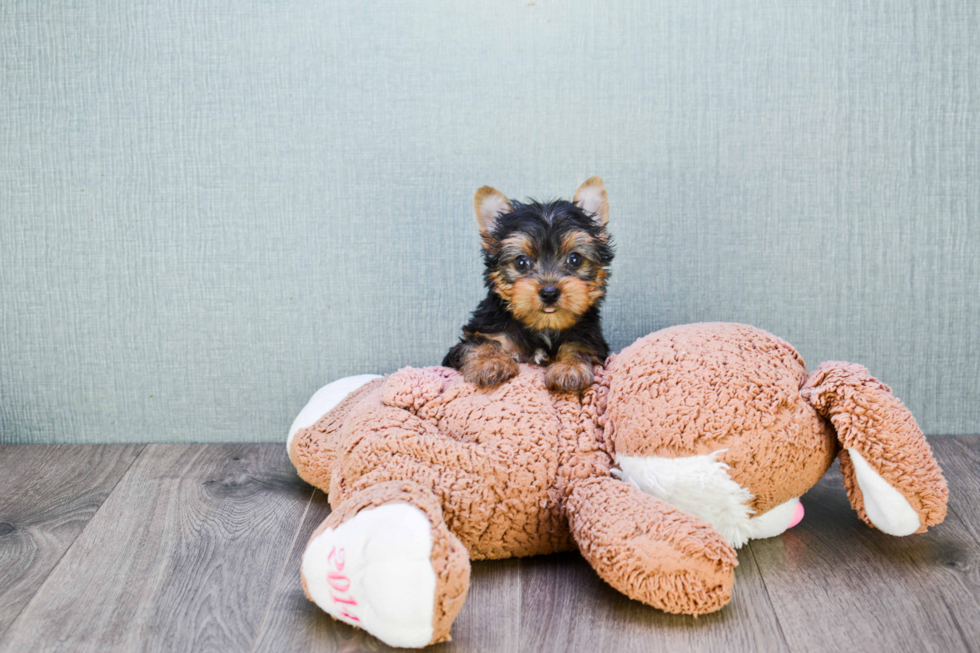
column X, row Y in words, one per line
column 488, row 204
column 591, row 196
column 892, row 479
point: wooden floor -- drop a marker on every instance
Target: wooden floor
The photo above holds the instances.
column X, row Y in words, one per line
column 197, row 548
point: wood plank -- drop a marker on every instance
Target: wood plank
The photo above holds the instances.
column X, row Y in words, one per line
column 488, row 621
column 183, row 555
column 567, row 607
column 49, row 494
column 491, row 617
column 959, row 457
column 837, row 584
column 198, row 548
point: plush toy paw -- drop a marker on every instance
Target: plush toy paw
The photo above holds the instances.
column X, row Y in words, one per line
column 569, row 376
column 374, row 571
column 650, row 550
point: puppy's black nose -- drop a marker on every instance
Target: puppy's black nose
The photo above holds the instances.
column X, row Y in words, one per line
column 549, row 294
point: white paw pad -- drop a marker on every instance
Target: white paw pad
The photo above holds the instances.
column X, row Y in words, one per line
column 374, row 572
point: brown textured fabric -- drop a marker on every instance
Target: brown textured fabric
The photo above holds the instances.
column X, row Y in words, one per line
column 496, row 460
column 697, row 388
column 520, row 471
column 649, row 550
column 869, row 418
column 313, row 450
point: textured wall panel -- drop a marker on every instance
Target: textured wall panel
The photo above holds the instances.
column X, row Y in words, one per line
column 208, row 209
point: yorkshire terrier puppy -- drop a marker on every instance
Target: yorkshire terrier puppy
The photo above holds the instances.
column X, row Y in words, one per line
column 546, row 271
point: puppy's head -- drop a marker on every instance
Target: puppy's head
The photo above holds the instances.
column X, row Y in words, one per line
column 547, row 261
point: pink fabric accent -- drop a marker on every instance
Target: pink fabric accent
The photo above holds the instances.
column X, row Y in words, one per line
column 340, row 583
column 797, row 516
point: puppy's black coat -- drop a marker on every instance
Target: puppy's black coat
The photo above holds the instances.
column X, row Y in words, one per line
column 546, row 266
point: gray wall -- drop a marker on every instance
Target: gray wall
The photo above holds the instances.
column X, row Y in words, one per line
column 211, row 208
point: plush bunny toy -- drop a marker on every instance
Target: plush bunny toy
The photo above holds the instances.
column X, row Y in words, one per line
column 692, row 441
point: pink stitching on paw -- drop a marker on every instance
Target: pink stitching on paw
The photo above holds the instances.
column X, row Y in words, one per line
column 340, row 583
column 339, row 564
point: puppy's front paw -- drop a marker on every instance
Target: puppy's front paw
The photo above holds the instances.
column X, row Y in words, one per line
column 488, row 372
column 566, row 376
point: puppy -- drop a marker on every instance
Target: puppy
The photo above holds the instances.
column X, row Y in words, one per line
column 546, row 267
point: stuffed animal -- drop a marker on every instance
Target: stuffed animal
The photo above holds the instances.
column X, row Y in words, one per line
column 691, row 441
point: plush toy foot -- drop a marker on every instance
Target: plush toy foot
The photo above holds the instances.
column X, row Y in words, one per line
column 388, row 568
column 649, row 550
column 373, row 571
column 892, row 479
column 310, row 443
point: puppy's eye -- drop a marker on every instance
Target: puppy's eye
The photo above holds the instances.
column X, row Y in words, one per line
column 574, row 260
column 522, row 263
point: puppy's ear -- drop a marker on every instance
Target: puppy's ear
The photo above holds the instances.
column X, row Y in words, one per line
column 489, row 203
column 591, row 196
